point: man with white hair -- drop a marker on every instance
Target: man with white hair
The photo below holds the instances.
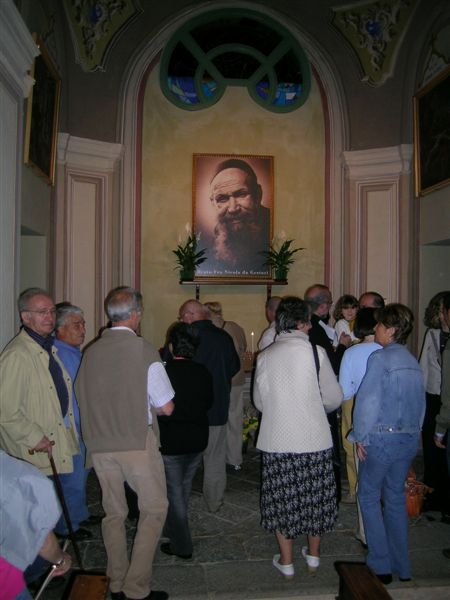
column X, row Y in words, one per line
column 70, row 331
column 121, row 387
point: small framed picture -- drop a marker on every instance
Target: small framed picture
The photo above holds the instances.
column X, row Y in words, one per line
column 432, row 134
column 42, row 115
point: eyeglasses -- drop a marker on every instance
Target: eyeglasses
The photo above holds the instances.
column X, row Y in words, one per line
column 43, row 311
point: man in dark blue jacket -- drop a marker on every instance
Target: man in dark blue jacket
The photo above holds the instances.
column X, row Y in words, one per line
column 216, row 351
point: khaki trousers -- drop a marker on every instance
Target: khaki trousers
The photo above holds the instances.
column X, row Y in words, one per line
column 143, row 470
column 346, row 425
column 234, row 425
column 214, row 468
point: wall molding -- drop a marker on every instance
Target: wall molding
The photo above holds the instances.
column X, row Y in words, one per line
column 366, row 164
column 17, row 48
column 88, row 154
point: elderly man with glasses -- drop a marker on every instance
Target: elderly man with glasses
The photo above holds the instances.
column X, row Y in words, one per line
column 36, row 411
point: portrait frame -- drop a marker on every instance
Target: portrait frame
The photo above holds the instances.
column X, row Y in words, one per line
column 431, row 106
column 205, row 219
column 42, row 114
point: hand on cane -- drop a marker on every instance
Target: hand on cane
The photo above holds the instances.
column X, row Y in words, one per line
column 45, row 445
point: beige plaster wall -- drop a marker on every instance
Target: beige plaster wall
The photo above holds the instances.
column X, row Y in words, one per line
column 236, row 125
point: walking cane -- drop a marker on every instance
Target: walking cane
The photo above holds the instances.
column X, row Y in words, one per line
column 60, row 494
column 50, row 574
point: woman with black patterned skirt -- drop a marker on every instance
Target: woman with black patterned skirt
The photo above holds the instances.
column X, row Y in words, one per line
column 294, row 388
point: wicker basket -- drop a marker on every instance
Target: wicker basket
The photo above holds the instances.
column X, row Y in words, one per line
column 415, row 494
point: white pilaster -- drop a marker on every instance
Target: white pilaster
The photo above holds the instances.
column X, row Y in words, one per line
column 17, row 51
column 379, row 222
column 85, row 224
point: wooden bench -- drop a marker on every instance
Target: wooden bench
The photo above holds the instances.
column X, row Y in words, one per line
column 85, row 585
column 358, row 582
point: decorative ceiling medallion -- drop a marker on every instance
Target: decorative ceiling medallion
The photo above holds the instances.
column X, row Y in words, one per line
column 375, row 31
column 95, row 26
column 438, row 57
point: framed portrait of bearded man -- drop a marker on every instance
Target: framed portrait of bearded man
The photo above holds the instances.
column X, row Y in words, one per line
column 233, row 214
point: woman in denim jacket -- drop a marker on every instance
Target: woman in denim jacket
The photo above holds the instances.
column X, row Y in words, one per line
column 387, row 419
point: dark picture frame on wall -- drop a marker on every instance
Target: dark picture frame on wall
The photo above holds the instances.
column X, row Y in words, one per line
column 232, row 206
column 42, row 114
column 432, row 134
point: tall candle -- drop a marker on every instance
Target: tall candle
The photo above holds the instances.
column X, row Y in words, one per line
column 253, row 342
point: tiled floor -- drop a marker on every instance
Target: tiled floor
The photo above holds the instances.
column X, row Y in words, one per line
column 233, row 555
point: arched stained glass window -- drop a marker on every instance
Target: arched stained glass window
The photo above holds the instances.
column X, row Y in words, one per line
column 234, row 47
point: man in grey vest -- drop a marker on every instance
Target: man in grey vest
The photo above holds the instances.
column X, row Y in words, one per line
column 121, row 386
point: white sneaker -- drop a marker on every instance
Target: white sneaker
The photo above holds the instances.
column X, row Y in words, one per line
column 286, row 570
column 313, row 562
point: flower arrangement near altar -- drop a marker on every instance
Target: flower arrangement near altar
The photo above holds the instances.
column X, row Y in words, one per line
column 249, row 424
column 188, row 255
column 280, row 256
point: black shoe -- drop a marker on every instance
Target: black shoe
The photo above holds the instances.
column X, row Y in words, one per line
column 80, row 535
column 117, row 596
column 154, row 595
column 168, row 550
column 385, row 578
column 403, row 579
column 92, row 520
column 446, row 552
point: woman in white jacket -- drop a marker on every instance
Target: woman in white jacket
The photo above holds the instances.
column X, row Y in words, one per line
column 294, row 388
column 435, row 465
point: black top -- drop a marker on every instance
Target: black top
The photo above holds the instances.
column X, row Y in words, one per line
column 318, row 337
column 186, row 430
column 216, row 351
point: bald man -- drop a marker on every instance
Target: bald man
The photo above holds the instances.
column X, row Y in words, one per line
column 217, row 353
column 268, row 335
column 371, row 300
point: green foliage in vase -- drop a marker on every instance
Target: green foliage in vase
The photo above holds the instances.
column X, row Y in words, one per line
column 188, row 255
column 280, row 259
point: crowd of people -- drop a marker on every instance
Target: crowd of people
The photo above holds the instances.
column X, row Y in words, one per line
column 146, row 420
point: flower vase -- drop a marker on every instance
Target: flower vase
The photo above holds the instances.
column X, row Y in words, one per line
column 281, row 274
column 187, row 274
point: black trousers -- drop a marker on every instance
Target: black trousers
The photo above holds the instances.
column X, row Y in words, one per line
column 435, row 460
column 333, row 420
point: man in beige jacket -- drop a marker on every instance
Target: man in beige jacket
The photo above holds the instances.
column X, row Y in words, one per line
column 36, row 416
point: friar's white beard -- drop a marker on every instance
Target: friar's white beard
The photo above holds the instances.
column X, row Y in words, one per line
column 229, row 246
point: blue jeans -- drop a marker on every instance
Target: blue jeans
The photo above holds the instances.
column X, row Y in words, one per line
column 74, row 489
column 382, row 477
column 180, row 470
column 24, row 595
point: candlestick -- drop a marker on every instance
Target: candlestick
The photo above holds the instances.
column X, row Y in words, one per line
column 253, row 342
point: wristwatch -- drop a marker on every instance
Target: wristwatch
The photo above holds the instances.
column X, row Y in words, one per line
column 60, row 562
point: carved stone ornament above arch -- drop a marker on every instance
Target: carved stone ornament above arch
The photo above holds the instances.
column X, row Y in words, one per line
column 96, row 26
column 129, row 134
column 375, row 31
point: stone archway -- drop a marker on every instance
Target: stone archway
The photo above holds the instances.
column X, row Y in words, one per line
column 129, row 133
